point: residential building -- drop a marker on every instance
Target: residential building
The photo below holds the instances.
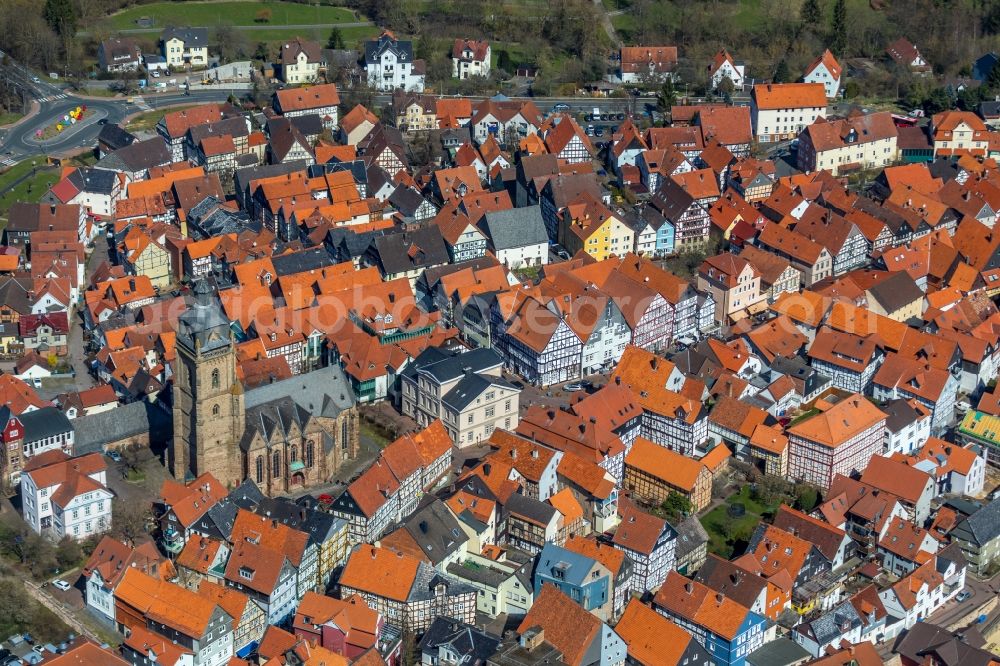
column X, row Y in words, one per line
column 465, row 391
column 581, row 637
column 300, row 61
column 904, row 547
column 119, row 55
column 956, row 133
column 517, row 237
column 844, row 145
column 321, row 100
column 653, row 472
column 734, row 284
column 470, row 57
column 723, row 67
column 840, row 439
column 649, row 542
column 653, row 639
column 107, row 565
column 647, row 64
column 781, row 110
column 347, row 627
column 727, row 630
column 389, row 64
column 408, row 592
column 859, row 619
column 583, row 579
column 826, row 70
column 907, row 427
column 249, row 618
column 978, row 536
column 905, row 53
column 928, row 588
column 448, row 641
column 184, row 48
column 955, row 469
column 588, row 225
column 154, row 609
column 66, row 497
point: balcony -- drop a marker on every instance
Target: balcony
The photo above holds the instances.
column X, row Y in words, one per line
column 173, row 541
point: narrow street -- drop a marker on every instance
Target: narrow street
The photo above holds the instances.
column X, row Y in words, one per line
column 64, row 615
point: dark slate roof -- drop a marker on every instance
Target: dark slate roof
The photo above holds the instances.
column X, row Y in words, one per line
column 317, row 524
column 242, row 177
column 989, row 109
column 325, row 392
column 209, row 218
column 310, row 124
column 357, row 168
column 137, row 156
column 427, row 580
column 896, row 291
column 312, row 259
column 436, row 530
column 900, row 414
column 832, row 624
column 406, row 200
column 94, row 180
column 690, row 535
column 45, row 422
column 929, row 643
column 445, row 366
column 114, row 137
column 407, row 251
column 122, row 422
column 376, row 47
column 14, row 294
column 471, row 645
column 515, row 227
column 347, row 244
column 190, row 36
column 731, row 580
column 469, row 388
column 981, row 527
column 204, row 323
column 528, row 507
column 779, row 652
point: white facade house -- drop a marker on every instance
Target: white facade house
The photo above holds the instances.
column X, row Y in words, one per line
column 826, row 70
column 781, row 110
column 927, row 589
column 185, row 47
column 389, row 64
column 865, row 142
column 65, row 496
column 517, row 236
column 470, row 58
column 724, row 67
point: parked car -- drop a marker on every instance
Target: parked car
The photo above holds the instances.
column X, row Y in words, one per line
column 573, row 387
column 560, row 107
column 962, row 596
column 60, row 584
column 963, row 406
column 590, row 130
column 115, row 456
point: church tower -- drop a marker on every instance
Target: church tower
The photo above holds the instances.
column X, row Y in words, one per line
column 208, row 398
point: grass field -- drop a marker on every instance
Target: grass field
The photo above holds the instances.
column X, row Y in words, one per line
column 148, row 120
column 276, row 35
column 8, row 118
column 742, row 527
column 31, row 189
column 208, row 14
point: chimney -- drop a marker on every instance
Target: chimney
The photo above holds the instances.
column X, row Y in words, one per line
column 688, row 587
column 618, row 381
column 720, row 597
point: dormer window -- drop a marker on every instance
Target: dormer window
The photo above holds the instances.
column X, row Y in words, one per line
column 247, row 573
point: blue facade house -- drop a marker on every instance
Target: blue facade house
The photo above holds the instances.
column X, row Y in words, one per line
column 584, row 580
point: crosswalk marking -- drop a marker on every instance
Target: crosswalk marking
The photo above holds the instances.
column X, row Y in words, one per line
column 10, row 161
column 52, row 98
column 141, row 103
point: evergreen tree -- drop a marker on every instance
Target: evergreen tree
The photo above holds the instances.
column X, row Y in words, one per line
column 667, row 97
column 811, row 14
column 781, row 73
column 993, row 78
column 838, row 28
column 61, row 17
column 336, row 40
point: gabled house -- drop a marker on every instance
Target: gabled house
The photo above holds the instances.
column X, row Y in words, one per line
column 724, row 67
column 647, row 63
column 470, row 57
column 300, row 61
column 580, row 636
column 389, row 64
column 184, row 48
column 826, row 70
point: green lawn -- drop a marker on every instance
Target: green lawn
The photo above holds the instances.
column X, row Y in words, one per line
column 739, row 528
column 148, row 120
column 208, row 14
column 8, row 118
column 351, row 35
column 31, row 189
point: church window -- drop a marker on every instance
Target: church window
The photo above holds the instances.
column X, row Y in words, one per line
column 260, row 469
column 343, row 435
column 215, row 410
column 295, row 453
column 309, row 453
column 215, row 378
column 276, row 465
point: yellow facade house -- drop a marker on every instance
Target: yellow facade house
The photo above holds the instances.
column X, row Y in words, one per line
column 588, row 225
